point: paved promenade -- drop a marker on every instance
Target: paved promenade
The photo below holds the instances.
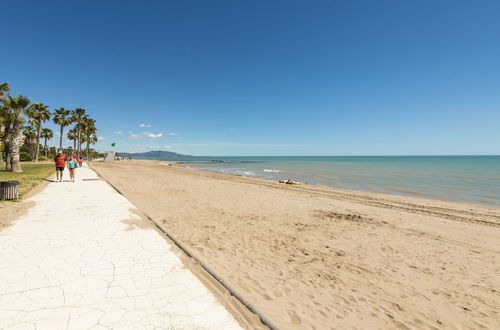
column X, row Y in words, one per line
column 82, row 259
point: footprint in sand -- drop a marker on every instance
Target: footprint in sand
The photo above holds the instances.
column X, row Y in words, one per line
column 293, row 317
column 266, row 297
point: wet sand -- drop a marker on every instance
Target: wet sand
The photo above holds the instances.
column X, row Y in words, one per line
column 313, row 257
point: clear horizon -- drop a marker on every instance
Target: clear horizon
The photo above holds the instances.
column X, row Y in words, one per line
column 402, row 155
column 278, row 78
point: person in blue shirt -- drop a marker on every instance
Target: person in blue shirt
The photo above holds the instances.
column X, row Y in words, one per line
column 72, row 164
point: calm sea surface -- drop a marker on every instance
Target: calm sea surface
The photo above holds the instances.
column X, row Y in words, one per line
column 474, row 179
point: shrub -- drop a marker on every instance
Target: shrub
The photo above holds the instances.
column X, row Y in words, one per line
column 25, row 157
column 43, row 158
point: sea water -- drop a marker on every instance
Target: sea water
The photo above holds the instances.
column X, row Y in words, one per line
column 474, row 179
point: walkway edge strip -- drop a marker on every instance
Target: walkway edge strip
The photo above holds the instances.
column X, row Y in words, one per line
column 263, row 318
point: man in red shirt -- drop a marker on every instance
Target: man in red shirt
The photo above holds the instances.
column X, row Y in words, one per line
column 60, row 161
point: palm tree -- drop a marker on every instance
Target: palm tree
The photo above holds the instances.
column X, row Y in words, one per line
column 78, row 116
column 89, row 131
column 61, row 117
column 3, row 133
column 16, row 107
column 28, row 139
column 73, row 136
column 5, row 121
column 46, row 134
column 4, row 87
column 39, row 114
column 3, row 125
column 92, row 140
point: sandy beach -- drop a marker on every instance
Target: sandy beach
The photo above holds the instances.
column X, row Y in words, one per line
column 305, row 165
column 312, row 257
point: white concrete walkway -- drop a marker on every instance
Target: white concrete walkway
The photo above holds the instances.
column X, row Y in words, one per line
column 78, row 260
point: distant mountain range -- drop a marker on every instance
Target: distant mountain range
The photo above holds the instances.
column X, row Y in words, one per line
column 152, row 153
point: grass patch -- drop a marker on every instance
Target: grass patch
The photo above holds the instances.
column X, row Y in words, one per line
column 33, row 173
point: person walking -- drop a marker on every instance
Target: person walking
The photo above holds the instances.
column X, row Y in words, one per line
column 72, row 165
column 60, row 162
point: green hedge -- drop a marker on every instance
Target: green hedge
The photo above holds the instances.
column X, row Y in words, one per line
column 24, row 157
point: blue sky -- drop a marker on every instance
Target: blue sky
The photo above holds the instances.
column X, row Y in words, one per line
column 265, row 77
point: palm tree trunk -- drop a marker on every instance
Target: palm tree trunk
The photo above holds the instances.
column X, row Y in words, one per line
column 60, row 138
column 37, row 143
column 74, row 145
column 1, row 152
column 88, row 148
column 6, row 148
column 14, row 145
column 8, row 164
column 45, row 147
column 79, row 137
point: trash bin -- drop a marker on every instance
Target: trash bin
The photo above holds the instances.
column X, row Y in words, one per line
column 9, row 190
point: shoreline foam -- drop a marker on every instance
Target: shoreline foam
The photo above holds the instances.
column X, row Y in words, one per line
column 393, row 193
column 452, row 178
